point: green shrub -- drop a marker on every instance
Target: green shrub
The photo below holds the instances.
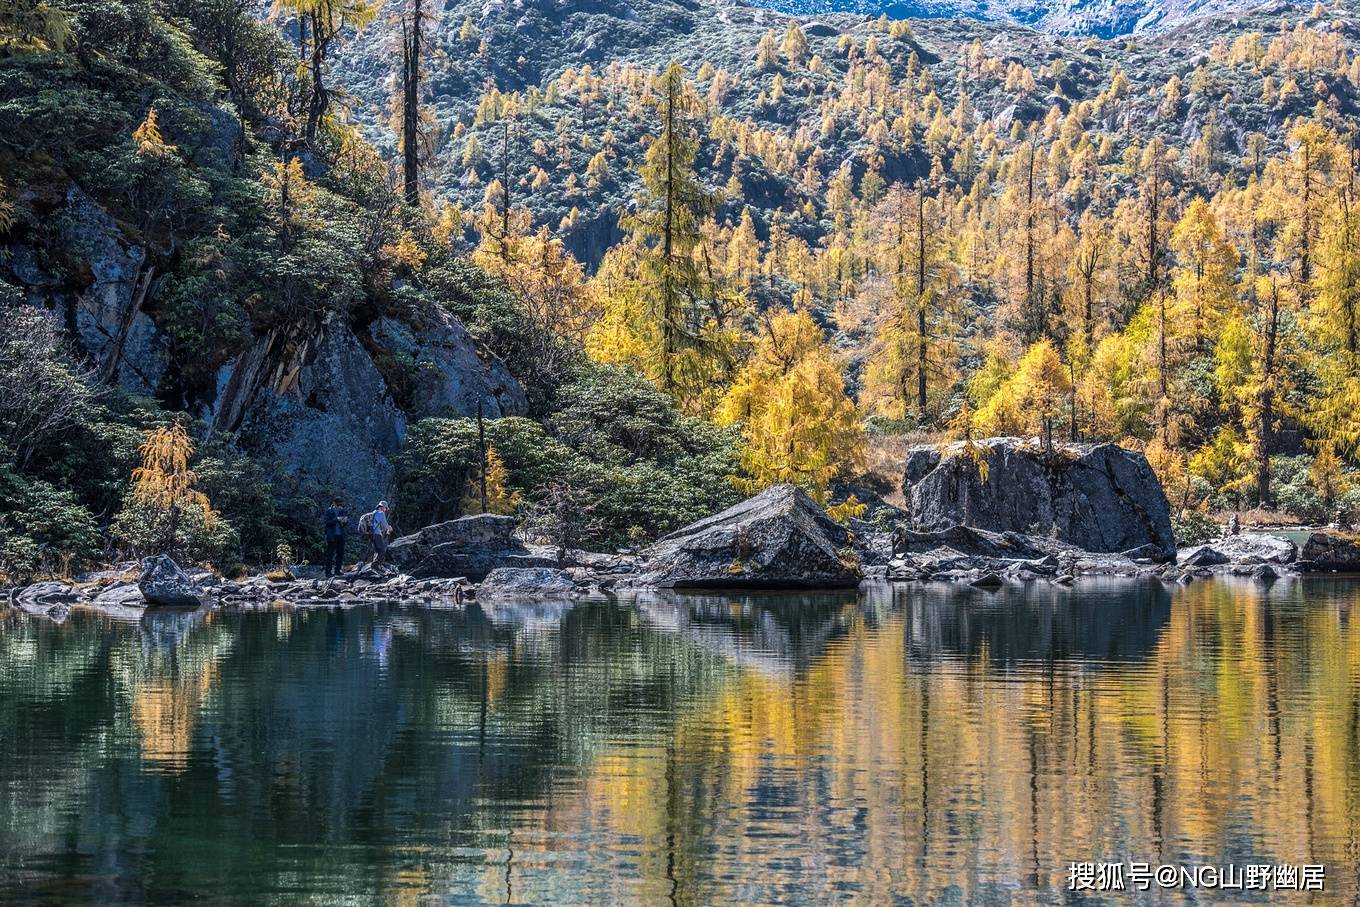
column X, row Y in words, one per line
column 189, row 535
column 1194, row 527
column 614, row 440
column 43, row 529
column 247, row 495
column 1293, row 491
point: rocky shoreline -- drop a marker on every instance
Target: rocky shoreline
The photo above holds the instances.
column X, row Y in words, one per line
column 974, row 557
column 1092, row 510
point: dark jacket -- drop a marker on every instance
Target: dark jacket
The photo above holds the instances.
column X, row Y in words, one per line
column 335, row 528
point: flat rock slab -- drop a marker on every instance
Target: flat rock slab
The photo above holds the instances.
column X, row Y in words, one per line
column 470, row 546
column 1249, row 548
column 121, row 595
column 526, row 582
column 779, row 539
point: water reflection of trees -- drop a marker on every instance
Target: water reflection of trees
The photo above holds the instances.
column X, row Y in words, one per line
column 1098, row 620
column 918, row 742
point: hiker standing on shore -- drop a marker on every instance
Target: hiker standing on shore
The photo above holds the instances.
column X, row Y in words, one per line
column 336, row 522
column 380, row 529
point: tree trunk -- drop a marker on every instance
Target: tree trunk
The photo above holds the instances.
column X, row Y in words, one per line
column 1266, row 402
column 320, row 99
column 505, row 190
column 1163, row 384
column 410, row 120
column 921, row 338
column 1072, row 397
column 1029, row 233
column 667, row 245
column 481, row 449
column 108, row 366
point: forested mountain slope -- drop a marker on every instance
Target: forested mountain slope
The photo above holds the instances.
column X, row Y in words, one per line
column 862, row 95
column 999, row 229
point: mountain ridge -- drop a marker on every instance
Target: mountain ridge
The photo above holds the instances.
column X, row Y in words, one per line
column 1098, row 18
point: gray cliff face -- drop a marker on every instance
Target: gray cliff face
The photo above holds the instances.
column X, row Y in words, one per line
column 1097, row 497
column 308, row 394
column 329, row 418
column 451, row 374
column 109, row 317
column 316, row 400
column 778, row 539
column 105, row 303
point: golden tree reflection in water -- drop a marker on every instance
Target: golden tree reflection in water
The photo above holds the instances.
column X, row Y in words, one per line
column 1233, row 740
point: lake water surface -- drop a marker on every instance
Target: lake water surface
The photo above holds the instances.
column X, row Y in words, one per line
column 918, row 744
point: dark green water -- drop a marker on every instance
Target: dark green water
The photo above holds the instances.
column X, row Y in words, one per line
column 927, row 744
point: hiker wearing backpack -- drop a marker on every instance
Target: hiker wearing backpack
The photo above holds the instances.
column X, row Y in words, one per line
column 379, row 529
column 336, row 522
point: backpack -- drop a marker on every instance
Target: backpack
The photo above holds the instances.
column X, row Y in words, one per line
column 366, row 523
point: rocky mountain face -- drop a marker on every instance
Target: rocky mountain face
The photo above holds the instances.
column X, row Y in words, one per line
column 1102, row 18
column 311, row 396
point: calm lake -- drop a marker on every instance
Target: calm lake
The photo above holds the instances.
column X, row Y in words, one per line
column 918, row 744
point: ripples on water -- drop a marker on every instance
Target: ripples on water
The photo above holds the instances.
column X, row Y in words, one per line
column 924, row 744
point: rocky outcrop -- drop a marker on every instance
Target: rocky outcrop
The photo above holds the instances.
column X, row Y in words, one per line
column 1096, row 497
column 164, row 584
column 319, row 405
column 315, row 398
column 1324, row 551
column 778, row 539
column 109, row 319
column 525, row 582
column 1248, row 548
column 450, row 372
column 102, row 281
column 470, row 546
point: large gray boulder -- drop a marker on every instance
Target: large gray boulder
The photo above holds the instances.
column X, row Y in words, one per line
column 778, row 539
column 1097, row 497
column 164, row 584
column 470, row 546
column 1324, row 551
